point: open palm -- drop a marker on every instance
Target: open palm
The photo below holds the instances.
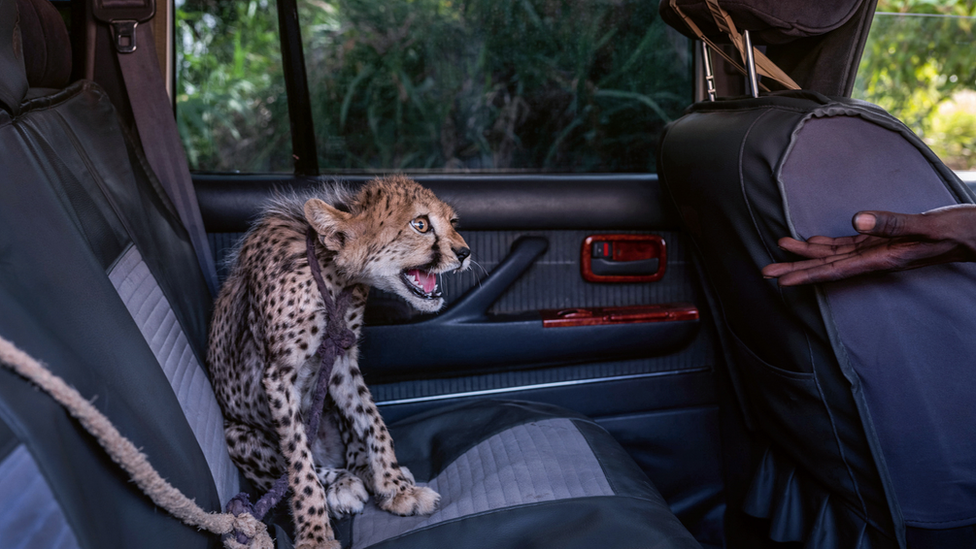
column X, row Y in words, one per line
column 888, row 242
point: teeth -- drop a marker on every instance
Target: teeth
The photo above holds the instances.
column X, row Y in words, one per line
column 422, row 281
column 419, row 284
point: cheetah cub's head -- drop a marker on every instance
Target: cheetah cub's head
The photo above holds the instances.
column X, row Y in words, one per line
column 397, row 236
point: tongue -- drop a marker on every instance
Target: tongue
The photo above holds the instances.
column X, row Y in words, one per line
column 425, row 281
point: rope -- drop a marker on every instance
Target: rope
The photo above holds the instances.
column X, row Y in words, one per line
column 129, row 458
column 336, row 340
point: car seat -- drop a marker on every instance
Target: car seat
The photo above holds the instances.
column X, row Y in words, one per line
column 859, row 392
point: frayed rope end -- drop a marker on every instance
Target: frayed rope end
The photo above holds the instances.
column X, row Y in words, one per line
column 255, row 530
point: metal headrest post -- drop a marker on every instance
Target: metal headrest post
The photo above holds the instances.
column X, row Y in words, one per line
column 752, row 82
column 706, row 58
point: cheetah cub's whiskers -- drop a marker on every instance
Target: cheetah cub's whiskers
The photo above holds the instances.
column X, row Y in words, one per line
column 269, row 321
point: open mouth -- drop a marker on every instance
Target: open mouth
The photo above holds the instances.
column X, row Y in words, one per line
column 421, row 283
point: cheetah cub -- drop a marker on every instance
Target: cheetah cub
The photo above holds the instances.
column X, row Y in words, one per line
column 269, row 321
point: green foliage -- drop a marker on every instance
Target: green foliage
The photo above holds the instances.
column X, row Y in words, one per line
column 567, row 85
column 952, row 131
column 929, row 7
column 231, row 106
column 915, row 64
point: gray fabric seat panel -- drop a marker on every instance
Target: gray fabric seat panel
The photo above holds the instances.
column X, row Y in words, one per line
column 527, row 464
column 153, row 314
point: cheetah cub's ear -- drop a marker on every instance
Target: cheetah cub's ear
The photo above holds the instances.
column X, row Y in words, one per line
column 333, row 225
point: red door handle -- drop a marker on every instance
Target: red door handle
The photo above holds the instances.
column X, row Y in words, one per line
column 623, row 258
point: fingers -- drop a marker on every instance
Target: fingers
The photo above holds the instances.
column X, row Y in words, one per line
column 822, row 246
column 839, row 241
column 776, row 270
column 891, row 225
column 888, row 256
column 883, row 224
column 779, row 270
column 864, row 222
column 949, row 224
column 827, row 269
column 826, row 272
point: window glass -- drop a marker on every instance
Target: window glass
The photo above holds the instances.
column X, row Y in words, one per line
column 492, row 85
column 231, row 106
column 921, row 67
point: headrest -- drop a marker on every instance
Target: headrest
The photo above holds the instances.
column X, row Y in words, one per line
column 13, row 78
column 768, row 21
column 47, row 47
column 35, row 51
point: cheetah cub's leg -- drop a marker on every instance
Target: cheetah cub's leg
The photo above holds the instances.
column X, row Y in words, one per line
column 308, row 501
column 255, row 452
column 357, row 459
column 344, row 491
column 395, row 491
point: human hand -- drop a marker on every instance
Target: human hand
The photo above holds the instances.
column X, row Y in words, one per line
column 888, row 242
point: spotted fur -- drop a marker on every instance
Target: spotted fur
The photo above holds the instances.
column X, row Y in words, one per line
column 268, row 324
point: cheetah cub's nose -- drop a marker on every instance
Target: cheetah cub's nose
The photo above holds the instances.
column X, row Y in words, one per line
column 461, row 253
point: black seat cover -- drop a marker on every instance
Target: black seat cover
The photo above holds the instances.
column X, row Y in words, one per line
column 862, row 388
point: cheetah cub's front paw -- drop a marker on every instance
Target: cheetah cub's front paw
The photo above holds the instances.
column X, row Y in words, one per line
column 414, row 500
column 347, row 495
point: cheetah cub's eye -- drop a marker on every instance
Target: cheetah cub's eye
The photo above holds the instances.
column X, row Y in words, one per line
column 421, row 224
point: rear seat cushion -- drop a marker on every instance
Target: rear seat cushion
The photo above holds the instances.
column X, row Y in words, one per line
column 519, row 474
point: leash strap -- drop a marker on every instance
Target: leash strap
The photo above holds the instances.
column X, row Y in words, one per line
column 338, row 338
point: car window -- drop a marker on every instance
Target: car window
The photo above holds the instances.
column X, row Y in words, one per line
column 434, row 85
column 231, row 106
column 920, row 64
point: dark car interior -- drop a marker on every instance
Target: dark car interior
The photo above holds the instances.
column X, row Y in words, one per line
column 614, row 371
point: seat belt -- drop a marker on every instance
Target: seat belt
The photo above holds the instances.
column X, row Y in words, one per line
column 153, row 113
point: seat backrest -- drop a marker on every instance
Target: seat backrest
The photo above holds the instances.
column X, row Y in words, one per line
column 862, row 388
column 98, row 281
